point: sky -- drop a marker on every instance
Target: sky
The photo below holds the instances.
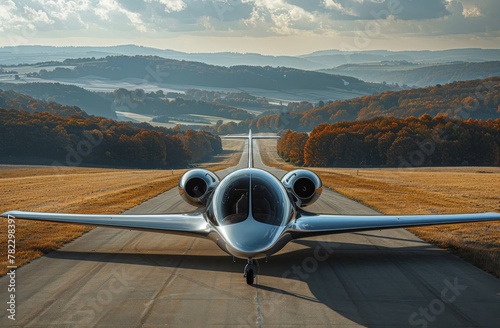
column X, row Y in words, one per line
column 274, row 27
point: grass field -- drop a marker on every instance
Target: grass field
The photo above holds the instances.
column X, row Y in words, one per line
column 425, row 191
column 77, row 190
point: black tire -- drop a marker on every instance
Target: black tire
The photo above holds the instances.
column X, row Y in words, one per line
column 250, row 277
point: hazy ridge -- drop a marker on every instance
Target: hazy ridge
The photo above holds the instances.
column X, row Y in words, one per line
column 420, row 75
column 12, row 55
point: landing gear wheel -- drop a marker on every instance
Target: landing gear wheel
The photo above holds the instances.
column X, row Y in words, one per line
column 250, row 277
column 250, row 272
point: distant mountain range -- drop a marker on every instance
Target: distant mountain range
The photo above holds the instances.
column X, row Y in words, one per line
column 333, row 58
column 14, row 55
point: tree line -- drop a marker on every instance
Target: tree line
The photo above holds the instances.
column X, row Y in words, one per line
column 81, row 139
column 395, row 142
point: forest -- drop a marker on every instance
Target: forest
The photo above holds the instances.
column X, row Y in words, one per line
column 79, row 139
column 476, row 99
column 395, row 142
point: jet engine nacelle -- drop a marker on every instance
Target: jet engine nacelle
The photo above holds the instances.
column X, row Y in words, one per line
column 196, row 185
column 304, row 185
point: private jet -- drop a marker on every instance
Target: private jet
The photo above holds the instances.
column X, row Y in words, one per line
column 251, row 214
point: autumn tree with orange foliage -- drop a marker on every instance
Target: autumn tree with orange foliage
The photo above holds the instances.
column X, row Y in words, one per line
column 393, row 142
column 291, row 146
column 88, row 140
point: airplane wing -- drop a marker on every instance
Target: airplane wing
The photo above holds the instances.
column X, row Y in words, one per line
column 309, row 224
column 191, row 224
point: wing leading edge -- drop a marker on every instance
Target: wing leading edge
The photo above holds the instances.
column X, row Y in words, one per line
column 308, row 224
column 191, row 224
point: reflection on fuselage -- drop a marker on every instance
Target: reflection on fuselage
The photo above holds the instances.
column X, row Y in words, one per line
column 249, row 195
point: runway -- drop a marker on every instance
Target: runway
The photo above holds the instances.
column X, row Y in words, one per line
column 390, row 278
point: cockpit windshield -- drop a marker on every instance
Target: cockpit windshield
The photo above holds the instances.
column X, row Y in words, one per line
column 252, row 194
column 235, row 201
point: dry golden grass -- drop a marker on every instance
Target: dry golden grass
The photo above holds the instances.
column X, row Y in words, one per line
column 426, row 191
column 75, row 190
column 70, row 190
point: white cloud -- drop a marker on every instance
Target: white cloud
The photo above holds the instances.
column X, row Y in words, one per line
column 8, row 19
column 471, row 12
column 331, row 4
column 170, row 5
column 108, row 9
column 62, row 9
column 139, row 19
column 37, row 16
column 281, row 18
column 105, row 7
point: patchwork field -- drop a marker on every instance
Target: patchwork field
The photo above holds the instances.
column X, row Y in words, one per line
column 425, row 191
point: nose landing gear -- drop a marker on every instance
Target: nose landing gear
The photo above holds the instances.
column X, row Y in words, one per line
column 251, row 271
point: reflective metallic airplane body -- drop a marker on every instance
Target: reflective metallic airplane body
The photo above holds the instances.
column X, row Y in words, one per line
column 251, row 214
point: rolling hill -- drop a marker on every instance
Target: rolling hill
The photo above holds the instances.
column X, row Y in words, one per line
column 91, row 102
column 17, row 101
column 421, row 75
column 164, row 71
column 474, row 99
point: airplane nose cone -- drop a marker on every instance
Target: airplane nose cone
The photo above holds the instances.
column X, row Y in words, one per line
column 250, row 237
